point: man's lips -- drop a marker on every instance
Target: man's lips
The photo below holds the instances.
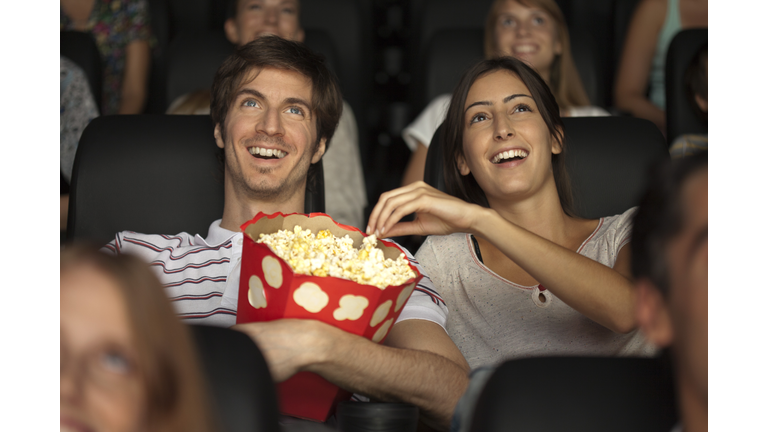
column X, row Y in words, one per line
column 267, row 152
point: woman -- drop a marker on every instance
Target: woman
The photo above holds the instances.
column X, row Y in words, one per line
column 127, row 363
column 122, row 34
column 533, row 31
column 654, row 24
column 520, row 273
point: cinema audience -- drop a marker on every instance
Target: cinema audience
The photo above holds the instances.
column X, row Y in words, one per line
column 670, row 266
column 127, row 362
column 533, row 31
column 639, row 86
column 695, row 81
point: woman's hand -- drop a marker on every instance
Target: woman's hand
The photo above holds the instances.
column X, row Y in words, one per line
column 437, row 213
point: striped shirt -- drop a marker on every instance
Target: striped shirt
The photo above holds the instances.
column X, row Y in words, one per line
column 202, row 275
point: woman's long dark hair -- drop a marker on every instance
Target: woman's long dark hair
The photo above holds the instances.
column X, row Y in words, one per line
column 466, row 187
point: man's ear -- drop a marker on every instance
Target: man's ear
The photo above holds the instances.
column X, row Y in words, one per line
column 652, row 314
column 217, row 136
column 319, row 152
column 230, row 29
column 557, row 147
column 462, row 164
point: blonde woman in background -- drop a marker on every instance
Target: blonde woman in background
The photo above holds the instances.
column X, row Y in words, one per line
column 533, row 31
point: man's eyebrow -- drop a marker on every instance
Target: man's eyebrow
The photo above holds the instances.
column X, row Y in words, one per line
column 506, row 99
column 298, row 101
column 251, row 92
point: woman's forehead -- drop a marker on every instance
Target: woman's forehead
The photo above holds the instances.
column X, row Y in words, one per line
column 494, row 85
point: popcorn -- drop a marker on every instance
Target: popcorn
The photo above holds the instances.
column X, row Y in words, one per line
column 328, row 255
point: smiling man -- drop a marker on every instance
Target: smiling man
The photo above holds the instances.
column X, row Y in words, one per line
column 275, row 108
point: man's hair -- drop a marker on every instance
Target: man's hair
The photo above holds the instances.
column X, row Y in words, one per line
column 275, row 52
column 466, row 187
column 660, row 218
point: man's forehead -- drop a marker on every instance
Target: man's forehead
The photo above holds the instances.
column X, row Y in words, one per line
column 286, row 80
column 240, row 3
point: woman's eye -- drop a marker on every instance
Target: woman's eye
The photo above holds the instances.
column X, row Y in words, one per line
column 115, row 362
column 538, row 20
column 289, row 11
column 295, row 110
column 478, row 118
column 507, row 22
column 522, row 108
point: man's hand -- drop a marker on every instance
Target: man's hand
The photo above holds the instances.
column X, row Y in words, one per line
column 290, row 345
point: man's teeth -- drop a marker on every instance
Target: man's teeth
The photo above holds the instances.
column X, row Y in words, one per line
column 266, row 152
column 522, row 154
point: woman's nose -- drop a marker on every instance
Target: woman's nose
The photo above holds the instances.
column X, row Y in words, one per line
column 503, row 130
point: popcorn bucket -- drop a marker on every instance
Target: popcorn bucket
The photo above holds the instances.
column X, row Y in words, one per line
column 269, row 290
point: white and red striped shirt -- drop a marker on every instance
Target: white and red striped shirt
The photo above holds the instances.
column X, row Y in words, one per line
column 202, row 275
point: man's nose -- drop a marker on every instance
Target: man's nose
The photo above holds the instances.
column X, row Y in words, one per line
column 271, row 123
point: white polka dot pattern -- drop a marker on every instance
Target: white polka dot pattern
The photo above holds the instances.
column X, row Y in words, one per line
column 273, row 273
column 311, row 297
column 351, row 307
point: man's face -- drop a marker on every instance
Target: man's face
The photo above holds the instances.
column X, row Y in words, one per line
column 687, row 256
column 255, row 18
column 270, row 136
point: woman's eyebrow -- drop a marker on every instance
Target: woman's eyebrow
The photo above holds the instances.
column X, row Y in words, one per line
column 506, row 99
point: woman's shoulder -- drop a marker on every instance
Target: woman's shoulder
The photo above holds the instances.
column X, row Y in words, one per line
column 444, row 246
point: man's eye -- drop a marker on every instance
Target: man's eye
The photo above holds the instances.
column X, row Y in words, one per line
column 289, row 11
column 250, row 103
column 254, row 6
column 295, row 110
column 115, row 362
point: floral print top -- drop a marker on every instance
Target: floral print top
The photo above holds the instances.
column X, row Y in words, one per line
column 114, row 24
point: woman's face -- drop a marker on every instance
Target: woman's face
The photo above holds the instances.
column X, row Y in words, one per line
column 101, row 388
column 507, row 145
column 529, row 34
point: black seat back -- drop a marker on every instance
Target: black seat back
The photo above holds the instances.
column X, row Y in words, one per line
column 681, row 115
column 81, row 48
column 607, row 159
column 150, row 174
column 193, row 59
column 577, row 394
column 238, row 378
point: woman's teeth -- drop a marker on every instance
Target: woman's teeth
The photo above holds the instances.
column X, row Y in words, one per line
column 258, row 151
column 511, row 154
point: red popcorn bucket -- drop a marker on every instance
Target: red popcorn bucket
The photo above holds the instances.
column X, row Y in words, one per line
column 269, row 290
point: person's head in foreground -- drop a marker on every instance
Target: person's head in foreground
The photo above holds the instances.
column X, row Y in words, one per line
column 498, row 101
column 127, row 363
column 275, row 106
column 251, row 19
column 669, row 262
column 696, row 79
column 535, row 32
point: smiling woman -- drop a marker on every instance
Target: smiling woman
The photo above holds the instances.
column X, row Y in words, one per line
column 522, row 274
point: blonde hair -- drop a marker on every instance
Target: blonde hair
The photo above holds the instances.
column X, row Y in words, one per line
column 564, row 80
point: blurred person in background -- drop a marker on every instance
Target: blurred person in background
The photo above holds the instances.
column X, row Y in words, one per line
column 670, row 263
column 122, row 33
column 247, row 20
column 76, row 109
column 533, row 31
column 127, row 362
column 639, row 86
column 695, row 81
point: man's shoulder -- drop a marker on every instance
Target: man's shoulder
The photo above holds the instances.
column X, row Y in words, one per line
column 150, row 246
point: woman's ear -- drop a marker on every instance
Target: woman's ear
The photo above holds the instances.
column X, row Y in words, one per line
column 462, row 165
column 557, row 146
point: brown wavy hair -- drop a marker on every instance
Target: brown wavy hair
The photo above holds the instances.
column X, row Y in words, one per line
column 465, row 186
column 565, row 82
column 175, row 391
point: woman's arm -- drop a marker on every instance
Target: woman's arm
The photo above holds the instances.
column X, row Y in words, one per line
column 601, row 293
column 636, row 60
column 135, row 76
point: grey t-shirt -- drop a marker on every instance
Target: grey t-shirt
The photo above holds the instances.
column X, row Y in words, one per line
column 491, row 319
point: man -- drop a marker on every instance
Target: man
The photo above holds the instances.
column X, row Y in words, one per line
column 669, row 262
column 343, row 175
column 275, row 96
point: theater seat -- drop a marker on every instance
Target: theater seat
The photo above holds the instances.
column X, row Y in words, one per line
column 150, row 174
column 577, row 394
column 681, row 116
column 240, row 386
column 608, row 159
column 81, row 48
